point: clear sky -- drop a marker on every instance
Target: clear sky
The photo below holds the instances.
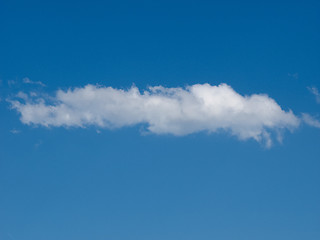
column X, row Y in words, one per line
column 159, row 120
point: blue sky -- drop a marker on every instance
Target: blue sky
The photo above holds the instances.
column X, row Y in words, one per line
column 226, row 147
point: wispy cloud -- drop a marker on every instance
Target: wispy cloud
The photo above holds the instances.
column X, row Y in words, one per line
column 311, row 121
column 28, row 81
column 14, row 131
column 294, row 75
column 38, row 144
column 177, row 111
column 11, row 83
column 315, row 92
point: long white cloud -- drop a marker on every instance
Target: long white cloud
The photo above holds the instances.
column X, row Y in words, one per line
column 177, row 111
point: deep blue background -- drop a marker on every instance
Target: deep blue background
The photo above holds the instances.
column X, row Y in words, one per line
column 77, row 184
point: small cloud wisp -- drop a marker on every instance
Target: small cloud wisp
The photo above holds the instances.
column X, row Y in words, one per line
column 315, row 92
column 28, row 81
column 311, row 121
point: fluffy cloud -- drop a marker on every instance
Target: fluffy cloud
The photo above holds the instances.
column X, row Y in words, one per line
column 177, row 111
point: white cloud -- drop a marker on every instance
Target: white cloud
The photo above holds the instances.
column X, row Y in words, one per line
column 28, row 81
column 15, row 131
column 315, row 92
column 177, row 111
column 311, row 121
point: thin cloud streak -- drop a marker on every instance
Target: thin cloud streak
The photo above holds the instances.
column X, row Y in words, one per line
column 28, row 81
column 315, row 92
column 176, row 111
column 15, row 131
column 311, row 121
